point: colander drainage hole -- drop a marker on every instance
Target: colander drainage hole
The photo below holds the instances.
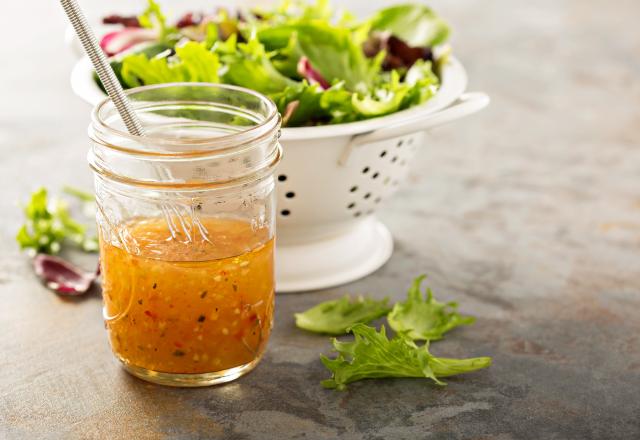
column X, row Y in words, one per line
column 354, row 189
column 394, row 159
column 351, row 205
column 282, row 178
column 357, row 214
column 367, row 195
column 285, row 212
column 375, row 175
column 290, row 195
column 365, row 170
column 399, row 144
column 383, row 153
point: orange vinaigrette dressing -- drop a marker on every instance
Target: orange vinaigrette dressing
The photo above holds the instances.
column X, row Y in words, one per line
column 189, row 306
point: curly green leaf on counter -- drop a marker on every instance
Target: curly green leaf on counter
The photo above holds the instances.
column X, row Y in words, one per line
column 371, row 355
column 425, row 318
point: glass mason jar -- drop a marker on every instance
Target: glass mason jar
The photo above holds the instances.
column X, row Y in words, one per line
column 186, row 227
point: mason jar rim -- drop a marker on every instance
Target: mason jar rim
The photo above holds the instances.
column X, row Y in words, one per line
column 236, row 139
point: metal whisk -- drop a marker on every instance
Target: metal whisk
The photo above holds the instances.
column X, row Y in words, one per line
column 172, row 214
column 103, row 69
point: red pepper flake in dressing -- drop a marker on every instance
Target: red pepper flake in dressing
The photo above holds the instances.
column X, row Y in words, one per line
column 150, row 314
column 178, row 344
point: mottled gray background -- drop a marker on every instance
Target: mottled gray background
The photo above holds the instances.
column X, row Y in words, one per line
column 528, row 214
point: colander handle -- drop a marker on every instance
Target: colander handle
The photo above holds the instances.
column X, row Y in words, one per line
column 466, row 104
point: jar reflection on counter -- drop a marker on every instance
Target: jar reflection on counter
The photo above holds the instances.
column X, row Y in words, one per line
column 186, row 224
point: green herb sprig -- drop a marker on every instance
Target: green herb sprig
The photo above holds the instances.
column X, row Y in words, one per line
column 49, row 224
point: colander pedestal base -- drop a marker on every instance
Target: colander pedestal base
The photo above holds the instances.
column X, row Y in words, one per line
column 331, row 262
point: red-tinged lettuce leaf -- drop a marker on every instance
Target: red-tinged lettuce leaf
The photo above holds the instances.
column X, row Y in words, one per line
column 61, row 276
column 118, row 41
column 310, row 74
column 124, row 20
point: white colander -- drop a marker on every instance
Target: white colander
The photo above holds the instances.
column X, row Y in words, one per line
column 332, row 179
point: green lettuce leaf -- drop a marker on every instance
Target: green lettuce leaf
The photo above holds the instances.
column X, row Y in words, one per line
column 371, row 355
column 384, row 100
column 191, row 63
column 390, row 95
column 416, row 24
column 338, row 103
column 299, row 104
column 335, row 317
column 425, row 318
column 154, row 18
column 249, row 65
column 335, row 53
column 296, row 11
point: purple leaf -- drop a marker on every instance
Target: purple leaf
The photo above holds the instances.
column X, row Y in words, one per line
column 189, row 19
column 125, row 20
column 118, row 41
column 310, row 74
column 61, row 276
column 398, row 53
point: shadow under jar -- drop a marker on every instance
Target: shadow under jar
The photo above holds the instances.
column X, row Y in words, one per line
column 186, row 227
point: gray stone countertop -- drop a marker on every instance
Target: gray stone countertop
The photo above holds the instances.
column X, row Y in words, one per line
column 528, row 214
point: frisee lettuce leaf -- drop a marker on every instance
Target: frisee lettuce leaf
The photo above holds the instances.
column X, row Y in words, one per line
column 191, row 63
column 421, row 318
column 49, row 224
column 335, row 317
column 371, row 355
column 389, row 96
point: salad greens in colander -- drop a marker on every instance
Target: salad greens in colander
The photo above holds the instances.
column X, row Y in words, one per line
column 320, row 66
